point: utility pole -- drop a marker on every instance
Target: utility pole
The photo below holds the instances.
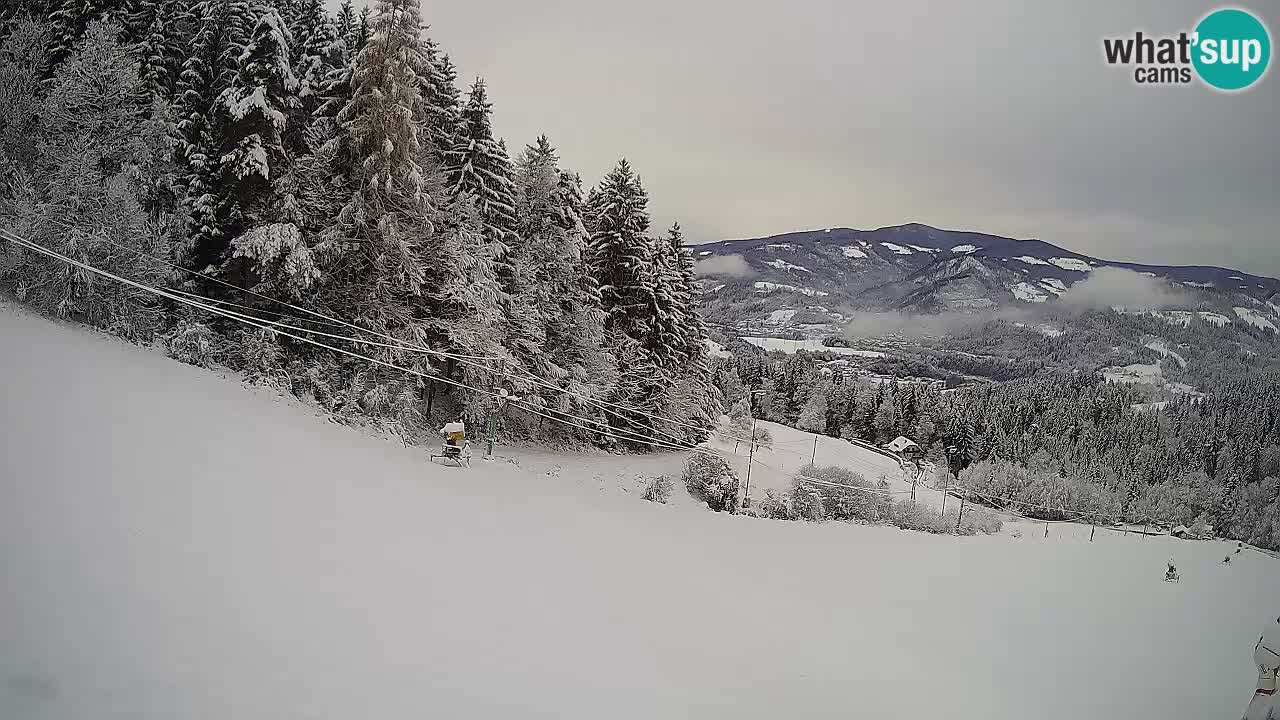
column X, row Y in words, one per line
column 814, row 457
column 751, row 455
column 751, row 452
column 961, row 517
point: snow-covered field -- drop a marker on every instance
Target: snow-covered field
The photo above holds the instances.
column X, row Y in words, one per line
column 792, row 346
column 1254, row 318
column 175, row 545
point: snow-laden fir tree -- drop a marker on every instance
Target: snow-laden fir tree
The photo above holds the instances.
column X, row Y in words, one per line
column 253, row 113
column 161, row 47
column 479, row 168
column 23, row 59
column 620, row 254
column 82, row 195
column 71, row 17
column 222, row 29
column 552, row 283
column 440, row 96
column 346, row 24
column 364, row 30
column 670, row 303
column 318, row 50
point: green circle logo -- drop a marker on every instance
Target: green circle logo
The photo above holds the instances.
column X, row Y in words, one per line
column 1232, row 49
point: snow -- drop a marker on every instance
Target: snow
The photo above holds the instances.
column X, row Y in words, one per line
column 964, row 249
column 784, row 265
column 1054, row 285
column 1148, row 274
column 704, row 253
column 1188, row 283
column 1042, row 328
column 718, row 288
column 715, row 349
column 1183, row 317
column 1030, row 260
column 1234, row 277
column 923, row 249
column 1028, row 293
column 780, row 317
column 781, row 246
column 303, row 569
column 897, row 249
column 1254, row 318
column 1160, row 347
column 852, row 252
column 1214, row 318
column 1074, row 264
column 793, row 346
column 1137, row 373
column 768, row 287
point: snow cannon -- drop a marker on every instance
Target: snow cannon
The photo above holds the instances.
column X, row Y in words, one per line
column 1266, row 655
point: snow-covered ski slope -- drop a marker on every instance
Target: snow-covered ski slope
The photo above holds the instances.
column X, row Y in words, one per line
column 174, row 545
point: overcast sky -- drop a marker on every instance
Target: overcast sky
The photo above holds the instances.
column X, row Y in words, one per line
column 748, row 118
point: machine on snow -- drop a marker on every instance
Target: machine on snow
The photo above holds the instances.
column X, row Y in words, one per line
column 1171, row 573
column 456, row 448
column 1266, row 656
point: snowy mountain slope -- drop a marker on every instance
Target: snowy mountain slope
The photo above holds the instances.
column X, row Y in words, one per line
column 174, row 545
column 918, row 268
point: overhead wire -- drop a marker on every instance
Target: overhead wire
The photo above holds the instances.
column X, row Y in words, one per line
column 205, row 304
column 466, row 359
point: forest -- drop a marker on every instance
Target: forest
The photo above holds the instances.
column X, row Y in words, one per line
column 1059, row 445
column 325, row 177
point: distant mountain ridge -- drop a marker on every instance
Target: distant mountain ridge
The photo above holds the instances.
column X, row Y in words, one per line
column 922, row 269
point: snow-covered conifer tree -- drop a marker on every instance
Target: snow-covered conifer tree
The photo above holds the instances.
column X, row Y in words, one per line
column 440, row 96
column 83, row 197
column 479, row 167
column 161, row 45
column 621, row 254
column 346, row 24
column 318, row 50
column 222, row 29
column 253, row 113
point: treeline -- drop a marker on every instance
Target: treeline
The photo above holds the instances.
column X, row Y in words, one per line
column 1094, row 339
column 1059, row 444
column 271, row 150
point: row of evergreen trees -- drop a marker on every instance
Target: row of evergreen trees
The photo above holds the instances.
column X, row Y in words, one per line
column 1060, row 441
column 332, row 162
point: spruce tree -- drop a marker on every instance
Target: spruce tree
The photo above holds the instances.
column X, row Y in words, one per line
column 620, row 253
column 161, row 47
column 70, row 18
column 222, row 33
column 253, row 114
column 480, row 169
column 318, row 49
column 364, row 30
column 346, row 24
column 440, row 98
column 552, row 283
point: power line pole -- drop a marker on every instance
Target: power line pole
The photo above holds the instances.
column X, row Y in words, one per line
column 814, row 457
column 961, row 516
column 751, row 455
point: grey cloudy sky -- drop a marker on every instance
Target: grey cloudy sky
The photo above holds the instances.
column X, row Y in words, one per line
column 748, row 118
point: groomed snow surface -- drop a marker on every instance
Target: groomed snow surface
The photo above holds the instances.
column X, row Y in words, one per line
column 174, row 545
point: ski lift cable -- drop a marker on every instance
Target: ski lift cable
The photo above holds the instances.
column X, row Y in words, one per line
column 267, row 325
column 248, row 320
column 276, row 327
column 326, row 318
column 335, row 322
